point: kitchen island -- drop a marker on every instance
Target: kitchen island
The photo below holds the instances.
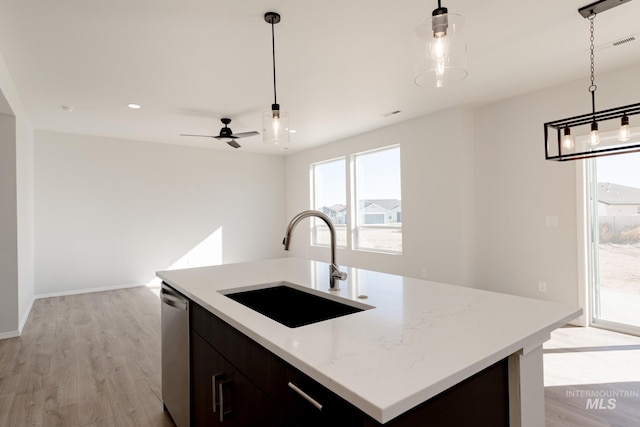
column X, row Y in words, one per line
column 420, row 339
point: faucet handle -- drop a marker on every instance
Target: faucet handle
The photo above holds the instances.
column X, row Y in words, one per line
column 336, row 273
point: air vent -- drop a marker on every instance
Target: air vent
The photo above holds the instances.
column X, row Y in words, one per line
column 619, row 42
column 391, row 113
column 623, row 41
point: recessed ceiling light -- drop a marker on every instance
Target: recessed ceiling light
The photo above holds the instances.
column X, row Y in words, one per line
column 134, row 106
column 292, row 131
column 67, row 108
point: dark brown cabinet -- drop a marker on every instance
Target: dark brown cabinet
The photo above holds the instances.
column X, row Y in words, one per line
column 224, row 396
column 237, row 382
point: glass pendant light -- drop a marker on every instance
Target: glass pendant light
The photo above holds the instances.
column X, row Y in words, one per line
column 441, row 55
column 275, row 122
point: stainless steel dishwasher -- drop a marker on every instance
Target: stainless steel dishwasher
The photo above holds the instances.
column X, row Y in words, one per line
column 175, row 355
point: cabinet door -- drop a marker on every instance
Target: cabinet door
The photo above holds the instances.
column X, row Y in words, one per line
column 223, row 396
column 207, row 368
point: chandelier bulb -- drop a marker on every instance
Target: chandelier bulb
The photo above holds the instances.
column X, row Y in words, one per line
column 594, row 135
column 568, row 142
column 624, row 134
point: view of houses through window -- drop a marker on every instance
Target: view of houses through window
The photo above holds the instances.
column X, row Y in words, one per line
column 376, row 220
column 330, row 197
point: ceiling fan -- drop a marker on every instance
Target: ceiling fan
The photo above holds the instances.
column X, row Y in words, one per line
column 227, row 133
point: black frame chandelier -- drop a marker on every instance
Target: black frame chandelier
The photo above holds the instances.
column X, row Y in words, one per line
column 599, row 133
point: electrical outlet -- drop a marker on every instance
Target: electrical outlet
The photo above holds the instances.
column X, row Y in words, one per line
column 423, row 273
column 542, row 286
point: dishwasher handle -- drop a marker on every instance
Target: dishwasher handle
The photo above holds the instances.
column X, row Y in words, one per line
column 173, row 300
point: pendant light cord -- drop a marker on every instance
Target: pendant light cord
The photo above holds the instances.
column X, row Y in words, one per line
column 593, row 86
column 273, row 50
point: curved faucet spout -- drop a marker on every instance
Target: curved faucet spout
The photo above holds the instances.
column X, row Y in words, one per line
column 335, row 272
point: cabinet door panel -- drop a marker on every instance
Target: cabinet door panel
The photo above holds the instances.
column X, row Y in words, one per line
column 223, row 396
column 207, row 369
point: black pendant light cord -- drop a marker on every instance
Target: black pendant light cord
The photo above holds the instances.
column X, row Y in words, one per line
column 273, row 48
column 593, row 87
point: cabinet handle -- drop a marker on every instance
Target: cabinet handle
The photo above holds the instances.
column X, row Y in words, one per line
column 304, row 395
column 214, row 381
column 223, row 412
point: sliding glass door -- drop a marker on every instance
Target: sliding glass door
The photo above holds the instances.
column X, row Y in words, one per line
column 615, row 227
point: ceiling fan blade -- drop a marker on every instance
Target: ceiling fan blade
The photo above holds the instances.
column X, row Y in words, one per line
column 233, row 144
column 206, row 136
column 245, row 134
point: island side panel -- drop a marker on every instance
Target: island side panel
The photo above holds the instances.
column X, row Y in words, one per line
column 526, row 388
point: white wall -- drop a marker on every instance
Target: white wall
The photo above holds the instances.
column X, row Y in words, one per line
column 477, row 191
column 111, row 212
column 16, row 209
column 516, row 188
column 8, row 226
column 437, row 197
column 26, row 230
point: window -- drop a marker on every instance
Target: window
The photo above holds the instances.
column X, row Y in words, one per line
column 377, row 197
column 374, row 214
column 329, row 196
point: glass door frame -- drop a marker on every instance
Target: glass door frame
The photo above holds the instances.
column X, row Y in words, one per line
column 588, row 203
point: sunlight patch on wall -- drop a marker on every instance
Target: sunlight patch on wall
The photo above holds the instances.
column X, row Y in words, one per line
column 206, row 253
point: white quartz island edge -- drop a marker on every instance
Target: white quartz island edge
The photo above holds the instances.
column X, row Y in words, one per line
column 421, row 338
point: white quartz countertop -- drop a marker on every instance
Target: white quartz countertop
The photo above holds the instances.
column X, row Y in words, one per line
column 421, row 338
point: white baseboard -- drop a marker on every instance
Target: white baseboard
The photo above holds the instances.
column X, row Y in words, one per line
column 12, row 334
column 87, row 291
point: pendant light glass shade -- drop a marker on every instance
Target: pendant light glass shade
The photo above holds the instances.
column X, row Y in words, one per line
column 275, row 127
column 441, row 53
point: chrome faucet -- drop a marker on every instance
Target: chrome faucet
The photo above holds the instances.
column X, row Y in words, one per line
column 334, row 269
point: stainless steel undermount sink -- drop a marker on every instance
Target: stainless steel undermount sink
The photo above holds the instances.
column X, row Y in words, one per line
column 293, row 305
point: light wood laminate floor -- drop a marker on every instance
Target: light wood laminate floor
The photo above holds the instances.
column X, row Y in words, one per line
column 85, row 360
column 94, row 360
column 592, row 378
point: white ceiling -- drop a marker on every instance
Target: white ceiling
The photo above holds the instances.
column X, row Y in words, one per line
column 340, row 64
